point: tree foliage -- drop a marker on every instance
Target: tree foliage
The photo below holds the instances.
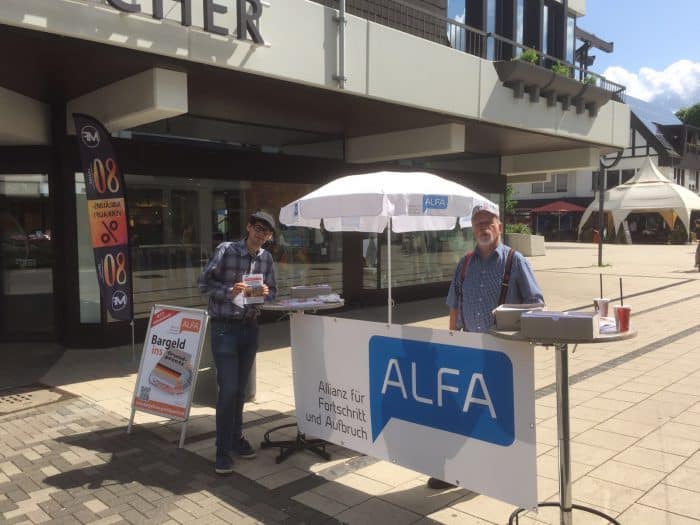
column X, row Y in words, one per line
column 690, row 115
column 509, row 203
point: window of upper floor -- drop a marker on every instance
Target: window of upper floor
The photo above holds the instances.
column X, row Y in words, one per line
column 556, row 184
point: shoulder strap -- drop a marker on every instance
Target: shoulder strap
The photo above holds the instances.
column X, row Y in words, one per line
column 465, row 262
column 506, row 276
column 467, row 256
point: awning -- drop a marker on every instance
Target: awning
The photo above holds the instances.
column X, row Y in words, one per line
column 558, row 207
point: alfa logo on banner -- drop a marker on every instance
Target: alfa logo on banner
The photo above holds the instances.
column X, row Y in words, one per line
column 104, row 185
column 457, row 406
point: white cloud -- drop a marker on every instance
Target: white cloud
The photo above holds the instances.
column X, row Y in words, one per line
column 675, row 87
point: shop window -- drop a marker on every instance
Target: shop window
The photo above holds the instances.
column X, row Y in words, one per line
column 416, row 257
column 176, row 223
column 26, row 255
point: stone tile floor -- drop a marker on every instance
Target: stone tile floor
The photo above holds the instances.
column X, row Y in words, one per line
column 635, row 410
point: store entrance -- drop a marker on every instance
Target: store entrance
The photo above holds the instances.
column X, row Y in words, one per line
column 26, row 258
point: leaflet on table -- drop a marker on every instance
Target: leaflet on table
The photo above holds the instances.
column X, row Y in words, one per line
column 607, row 325
column 253, row 288
column 300, row 303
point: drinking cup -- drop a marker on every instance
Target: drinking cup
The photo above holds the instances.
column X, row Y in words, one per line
column 622, row 318
column 601, row 306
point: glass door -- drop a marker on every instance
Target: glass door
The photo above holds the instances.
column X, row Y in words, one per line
column 26, row 257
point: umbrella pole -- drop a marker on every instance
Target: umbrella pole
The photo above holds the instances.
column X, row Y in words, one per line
column 388, row 264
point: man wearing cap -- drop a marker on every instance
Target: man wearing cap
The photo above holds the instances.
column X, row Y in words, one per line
column 476, row 291
column 234, row 329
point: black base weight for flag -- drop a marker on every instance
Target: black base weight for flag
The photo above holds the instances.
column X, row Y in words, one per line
column 290, row 446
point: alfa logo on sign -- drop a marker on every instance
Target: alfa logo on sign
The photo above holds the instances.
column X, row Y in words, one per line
column 451, row 388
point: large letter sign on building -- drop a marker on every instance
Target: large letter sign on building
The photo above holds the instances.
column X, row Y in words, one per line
column 457, row 406
column 247, row 14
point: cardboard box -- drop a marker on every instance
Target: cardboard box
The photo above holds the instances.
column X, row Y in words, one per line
column 508, row 315
column 560, row 326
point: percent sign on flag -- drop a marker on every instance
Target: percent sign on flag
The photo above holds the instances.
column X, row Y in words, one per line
column 104, row 187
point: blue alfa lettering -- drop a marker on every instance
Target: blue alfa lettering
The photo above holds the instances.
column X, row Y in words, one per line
column 465, row 391
column 435, row 202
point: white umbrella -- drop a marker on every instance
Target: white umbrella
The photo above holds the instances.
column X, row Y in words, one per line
column 648, row 191
column 369, row 202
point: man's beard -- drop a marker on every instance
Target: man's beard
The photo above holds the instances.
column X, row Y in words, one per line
column 482, row 240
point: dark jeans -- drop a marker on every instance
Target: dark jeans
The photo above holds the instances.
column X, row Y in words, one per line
column 233, row 345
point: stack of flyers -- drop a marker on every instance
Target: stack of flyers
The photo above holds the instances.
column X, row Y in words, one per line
column 173, row 372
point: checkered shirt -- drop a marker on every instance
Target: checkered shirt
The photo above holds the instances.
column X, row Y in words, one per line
column 482, row 287
column 230, row 262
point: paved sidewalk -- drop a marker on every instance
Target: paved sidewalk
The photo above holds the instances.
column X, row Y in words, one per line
column 635, row 408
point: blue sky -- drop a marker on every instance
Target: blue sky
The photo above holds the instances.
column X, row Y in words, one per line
column 656, row 53
column 645, row 33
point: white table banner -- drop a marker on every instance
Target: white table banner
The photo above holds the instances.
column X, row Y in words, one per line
column 453, row 405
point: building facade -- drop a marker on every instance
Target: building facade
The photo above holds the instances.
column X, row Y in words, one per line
column 218, row 108
column 654, row 132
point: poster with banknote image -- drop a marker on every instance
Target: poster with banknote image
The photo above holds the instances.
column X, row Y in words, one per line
column 169, row 362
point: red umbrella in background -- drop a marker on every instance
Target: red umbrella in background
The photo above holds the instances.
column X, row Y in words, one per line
column 558, row 208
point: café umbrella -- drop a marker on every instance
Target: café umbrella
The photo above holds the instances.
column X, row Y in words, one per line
column 403, row 201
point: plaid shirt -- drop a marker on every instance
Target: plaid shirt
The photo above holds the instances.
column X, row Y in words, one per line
column 482, row 287
column 230, row 262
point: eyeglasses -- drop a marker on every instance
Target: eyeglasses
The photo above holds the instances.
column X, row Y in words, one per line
column 261, row 229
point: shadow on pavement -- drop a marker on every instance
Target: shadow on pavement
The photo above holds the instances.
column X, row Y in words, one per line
column 132, row 464
column 26, row 363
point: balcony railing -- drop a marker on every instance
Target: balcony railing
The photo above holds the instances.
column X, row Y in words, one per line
column 434, row 26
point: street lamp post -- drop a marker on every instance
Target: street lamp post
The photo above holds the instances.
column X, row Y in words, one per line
column 605, row 165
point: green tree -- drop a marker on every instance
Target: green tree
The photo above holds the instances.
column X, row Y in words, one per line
column 509, row 203
column 690, row 115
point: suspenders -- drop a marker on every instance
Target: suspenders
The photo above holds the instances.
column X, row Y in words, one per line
column 504, row 281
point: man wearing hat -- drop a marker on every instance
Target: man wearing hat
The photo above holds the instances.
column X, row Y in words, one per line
column 234, row 329
column 492, row 274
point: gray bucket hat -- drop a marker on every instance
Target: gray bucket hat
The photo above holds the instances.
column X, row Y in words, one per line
column 265, row 217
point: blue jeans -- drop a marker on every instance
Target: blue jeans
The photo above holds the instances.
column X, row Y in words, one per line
column 233, row 345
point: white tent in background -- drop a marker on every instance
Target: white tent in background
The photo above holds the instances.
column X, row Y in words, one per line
column 649, row 191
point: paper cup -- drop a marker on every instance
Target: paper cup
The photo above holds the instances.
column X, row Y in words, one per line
column 601, row 306
column 622, row 318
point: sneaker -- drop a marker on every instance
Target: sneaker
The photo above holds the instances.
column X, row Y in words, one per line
column 223, row 465
column 244, row 450
column 434, row 483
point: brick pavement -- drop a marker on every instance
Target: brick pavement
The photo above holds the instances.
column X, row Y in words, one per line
column 72, row 462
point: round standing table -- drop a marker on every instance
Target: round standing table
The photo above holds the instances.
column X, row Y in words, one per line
column 561, row 348
column 301, row 442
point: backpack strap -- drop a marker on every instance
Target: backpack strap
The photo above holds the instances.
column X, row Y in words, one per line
column 506, row 277
column 466, row 259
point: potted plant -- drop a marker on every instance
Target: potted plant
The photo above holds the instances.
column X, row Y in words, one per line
column 519, row 237
column 594, row 96
column 523, row 73
column 563, row 87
